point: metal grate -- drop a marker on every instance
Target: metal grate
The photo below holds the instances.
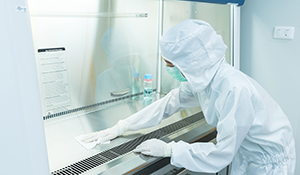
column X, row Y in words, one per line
column 105, row 156
column 131, row 145
column 46, row 117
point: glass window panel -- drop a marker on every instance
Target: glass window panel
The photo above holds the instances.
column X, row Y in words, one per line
column 106, row 44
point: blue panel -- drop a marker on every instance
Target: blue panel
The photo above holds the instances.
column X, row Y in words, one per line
column 239, row 2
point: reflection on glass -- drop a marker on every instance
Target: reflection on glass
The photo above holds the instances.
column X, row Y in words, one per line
column 126, row 61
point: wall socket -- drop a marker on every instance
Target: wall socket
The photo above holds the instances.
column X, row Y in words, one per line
column 283, row 32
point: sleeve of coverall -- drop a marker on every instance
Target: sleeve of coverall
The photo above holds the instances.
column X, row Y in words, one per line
column 176, row 100
column 235, row 117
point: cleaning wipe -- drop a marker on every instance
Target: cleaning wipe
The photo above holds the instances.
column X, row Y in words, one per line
column 89, row 145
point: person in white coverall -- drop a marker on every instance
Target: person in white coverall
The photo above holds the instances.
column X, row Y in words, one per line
column 254, row 134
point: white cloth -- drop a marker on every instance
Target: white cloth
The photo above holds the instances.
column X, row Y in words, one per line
column 253, row 131
column 88, row 145
column 107, row 134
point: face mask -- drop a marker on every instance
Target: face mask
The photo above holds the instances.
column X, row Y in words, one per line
column 175, row 73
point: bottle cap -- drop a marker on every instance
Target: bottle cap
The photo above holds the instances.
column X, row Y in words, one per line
column 148, row 76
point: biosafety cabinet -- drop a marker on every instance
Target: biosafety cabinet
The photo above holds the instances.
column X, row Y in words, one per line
column 74, row 67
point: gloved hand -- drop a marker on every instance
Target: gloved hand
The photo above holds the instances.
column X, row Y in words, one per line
column 155, row 147
column 108, row 134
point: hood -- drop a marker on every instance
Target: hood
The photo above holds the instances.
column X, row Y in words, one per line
column 195, row 49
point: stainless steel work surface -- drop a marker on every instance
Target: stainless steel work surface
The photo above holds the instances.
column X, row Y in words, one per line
column 64, row 150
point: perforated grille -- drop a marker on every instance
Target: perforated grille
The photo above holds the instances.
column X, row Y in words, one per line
column 105, row 156
column 50, row 116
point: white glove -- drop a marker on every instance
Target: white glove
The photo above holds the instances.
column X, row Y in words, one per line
column 155, row 147
column 108, row 134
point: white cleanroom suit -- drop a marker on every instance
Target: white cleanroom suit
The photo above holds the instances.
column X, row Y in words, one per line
column 253, row 132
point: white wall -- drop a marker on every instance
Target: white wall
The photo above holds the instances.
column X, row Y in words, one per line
column 23, row 149
column 274, row 63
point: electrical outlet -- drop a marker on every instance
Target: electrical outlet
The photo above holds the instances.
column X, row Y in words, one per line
column 283, row 32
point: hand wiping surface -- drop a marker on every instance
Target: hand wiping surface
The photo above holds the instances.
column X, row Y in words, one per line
column 88, row 145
